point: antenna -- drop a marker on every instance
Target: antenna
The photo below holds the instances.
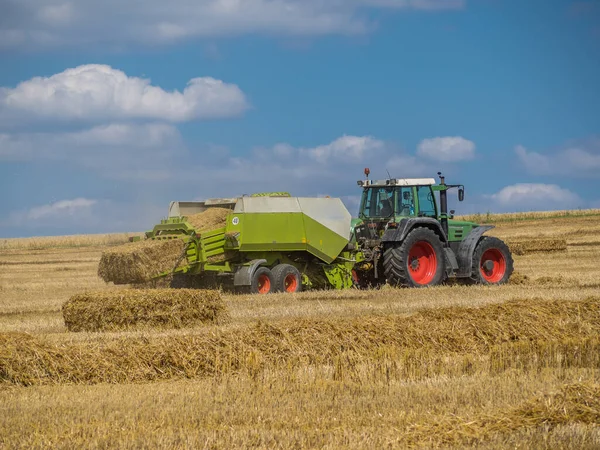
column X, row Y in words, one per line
column 388, row 172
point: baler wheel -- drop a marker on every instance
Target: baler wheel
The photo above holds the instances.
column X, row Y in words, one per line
column 418, row 261
column 262, row 281
column 286, row 278
column 492, row 262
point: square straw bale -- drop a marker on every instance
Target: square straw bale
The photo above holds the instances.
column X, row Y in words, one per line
column 139, row 262
column 142, row 308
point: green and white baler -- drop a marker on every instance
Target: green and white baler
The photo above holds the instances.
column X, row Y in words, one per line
column 268, row 243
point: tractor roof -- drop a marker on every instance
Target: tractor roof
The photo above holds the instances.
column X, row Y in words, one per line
column 399, row 182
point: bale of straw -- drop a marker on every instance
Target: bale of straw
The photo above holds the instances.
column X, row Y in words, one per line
column 524, row 247
column 142, row 308
column 210, row 219
column 139, row 262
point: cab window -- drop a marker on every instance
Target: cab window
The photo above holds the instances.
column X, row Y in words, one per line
column 378, row 202
column 426, row 201
column 406, row 202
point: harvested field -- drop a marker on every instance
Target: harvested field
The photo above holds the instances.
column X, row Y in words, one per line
column 139, row 262
column 143, row 308
column 454, row 366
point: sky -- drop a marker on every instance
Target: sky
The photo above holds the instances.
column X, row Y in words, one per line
column 109, row 110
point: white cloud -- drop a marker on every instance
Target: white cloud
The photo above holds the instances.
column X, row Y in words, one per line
column 83, row 215
column 127, row 151
column 447, row 149
column 330, row 169
column 154, row 154
column 60, row 208
column 59, row 14
column 407, row 166
column 99, row 92
column 351, row 149
column 41, row 23
column 578, row 160
column 532, row 196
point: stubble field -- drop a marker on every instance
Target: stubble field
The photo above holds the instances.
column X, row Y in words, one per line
column 514, row 366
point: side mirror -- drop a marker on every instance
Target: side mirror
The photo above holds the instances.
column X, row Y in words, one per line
column 461, row 194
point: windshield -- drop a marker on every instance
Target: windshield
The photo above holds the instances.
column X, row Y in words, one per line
column 383, row 202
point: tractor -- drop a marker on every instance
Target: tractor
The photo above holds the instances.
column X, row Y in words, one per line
column 407, row 240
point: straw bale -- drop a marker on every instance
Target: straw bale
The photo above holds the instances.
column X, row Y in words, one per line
column 141, row 308
column 525, row 247
column 210, row 219
column 139, row 262
column 429, row 335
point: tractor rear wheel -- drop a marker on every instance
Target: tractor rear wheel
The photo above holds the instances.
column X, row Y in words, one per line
column 286, row 278
column 416, row 262
column 492, row 262
column 262, row 281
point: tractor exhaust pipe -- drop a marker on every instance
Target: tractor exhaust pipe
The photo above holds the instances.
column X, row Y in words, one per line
column 443, row 204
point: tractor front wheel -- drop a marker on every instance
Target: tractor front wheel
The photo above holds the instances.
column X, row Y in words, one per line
column 416, row 262
column 492, row 262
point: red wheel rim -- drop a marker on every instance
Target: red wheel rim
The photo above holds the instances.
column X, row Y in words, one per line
column 422, row 262
column 290, row 283
column 264, row 284
column 497, row 271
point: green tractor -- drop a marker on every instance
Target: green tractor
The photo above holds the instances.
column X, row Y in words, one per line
column 274, row 242
column 406, row 240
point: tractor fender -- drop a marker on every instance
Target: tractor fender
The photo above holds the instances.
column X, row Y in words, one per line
column 405, row 226
column 243, row 276
column 467, row 247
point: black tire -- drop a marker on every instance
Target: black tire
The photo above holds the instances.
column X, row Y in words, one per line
column 286, row 278
column 400, row 267
column 262, row 281
column 492, row 262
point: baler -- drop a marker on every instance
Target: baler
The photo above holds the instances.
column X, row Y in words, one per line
column 303, row 242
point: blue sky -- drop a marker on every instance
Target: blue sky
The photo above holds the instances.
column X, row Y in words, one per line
column 109, row 110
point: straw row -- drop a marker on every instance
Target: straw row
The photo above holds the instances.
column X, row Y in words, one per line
column 453, row 331
column 521, row 279
column 525, row 247
column 573, row 403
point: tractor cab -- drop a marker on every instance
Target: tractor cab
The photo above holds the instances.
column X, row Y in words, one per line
column 397, row 198
column 386, row 203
